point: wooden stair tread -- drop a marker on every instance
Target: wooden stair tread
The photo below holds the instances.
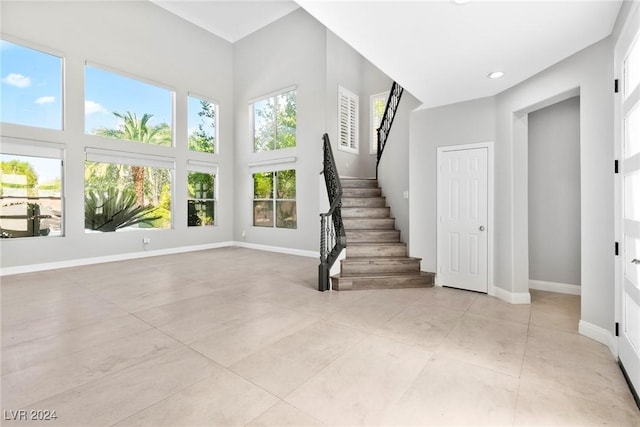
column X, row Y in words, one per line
column 383, row 281
column 376, row 243
column 363, row 197
column 384, row 275
column 361, row 230
column 381, row 258
column 365, row 218
column 378, row 275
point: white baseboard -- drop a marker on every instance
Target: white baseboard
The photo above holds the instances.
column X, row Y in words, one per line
column 279, row 249
column 599, row 334
column 510, row 297
column 31, row 268
column 561, row 288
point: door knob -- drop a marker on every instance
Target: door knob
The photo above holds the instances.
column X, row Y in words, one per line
column 635, row 261
column 481, row 228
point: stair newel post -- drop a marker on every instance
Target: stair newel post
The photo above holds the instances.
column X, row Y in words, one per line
column 323, row 273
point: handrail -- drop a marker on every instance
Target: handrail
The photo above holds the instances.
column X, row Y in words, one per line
column 387, row 119
column 333, row 238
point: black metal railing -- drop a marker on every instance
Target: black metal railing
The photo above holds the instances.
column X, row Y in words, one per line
column 387, row 119
column 333, row 238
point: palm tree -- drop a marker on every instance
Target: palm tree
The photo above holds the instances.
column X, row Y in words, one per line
column 134, row 129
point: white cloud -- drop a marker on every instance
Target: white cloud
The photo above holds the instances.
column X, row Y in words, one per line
column 45, row 100
column 17, row 80
column 91, row 107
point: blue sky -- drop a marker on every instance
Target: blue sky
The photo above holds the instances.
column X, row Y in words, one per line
column 106, row 92
column 30, row 89
column 31, row 93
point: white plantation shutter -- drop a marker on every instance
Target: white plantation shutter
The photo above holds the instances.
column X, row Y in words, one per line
column 101, row 155
column 348, row 113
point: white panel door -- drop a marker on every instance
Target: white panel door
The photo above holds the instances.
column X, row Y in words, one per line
column 462, row 219
column 628, row 65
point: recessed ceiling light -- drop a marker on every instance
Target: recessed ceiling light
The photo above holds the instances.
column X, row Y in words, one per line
column 460, row 2
column 496, row 75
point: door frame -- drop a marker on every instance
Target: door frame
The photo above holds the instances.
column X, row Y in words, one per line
column 491, row 290
column 624, row 42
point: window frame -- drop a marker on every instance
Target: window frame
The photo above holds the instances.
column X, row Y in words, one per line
column 45, row 150
column 216, row 105
column 348, row 142
column 140, row 79
column 48, row 51
column 130, row 158
column 210, row 169
column 373, row 143
column 274, row 196
column 252, row 113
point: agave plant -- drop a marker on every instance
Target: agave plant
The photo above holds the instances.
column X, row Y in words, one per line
column 113, row 209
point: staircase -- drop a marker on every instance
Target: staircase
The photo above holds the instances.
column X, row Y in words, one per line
column 376, row 258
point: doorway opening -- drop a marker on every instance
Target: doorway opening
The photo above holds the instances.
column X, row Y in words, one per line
column 554, row 233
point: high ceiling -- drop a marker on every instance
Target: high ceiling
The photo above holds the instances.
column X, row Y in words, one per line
column 440, row 51
column 230, row 20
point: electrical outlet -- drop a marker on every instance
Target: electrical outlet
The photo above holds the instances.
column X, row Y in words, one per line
column 405, row 194
column 146, row 240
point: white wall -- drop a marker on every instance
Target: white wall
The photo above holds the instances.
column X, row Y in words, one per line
column 456, row 124
column 554, row 193
column 349, row 69
column 295, row 50
column 589, row 73
column 393, row 172
column 143, row 40
column 590, row 70
column 291, row 51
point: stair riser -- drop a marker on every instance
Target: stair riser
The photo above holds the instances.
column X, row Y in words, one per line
column 366, row 212
column 363, row 269
column 358, row 202
column 354, row 236
column 359, row 183
column 361, row 192
column 399, row 282
column 376, row 250
column 366, row 224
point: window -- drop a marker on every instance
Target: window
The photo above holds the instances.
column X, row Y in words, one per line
column 203, row 125
column 347, row 120
column 274, row 122
column 201, row 193
column 126, row 190
column 31, row 87
column 31, row 202
column 279, row 189
column 378, row 104
column 124, row 108
column 632, row 68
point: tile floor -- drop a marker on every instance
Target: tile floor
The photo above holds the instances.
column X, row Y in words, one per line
column 241, row 337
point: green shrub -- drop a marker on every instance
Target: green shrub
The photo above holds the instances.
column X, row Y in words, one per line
column 113, row 209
